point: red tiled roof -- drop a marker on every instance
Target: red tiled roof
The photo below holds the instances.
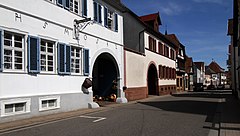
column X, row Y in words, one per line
column 173, row 38
column 151, row 17
column 215, row 67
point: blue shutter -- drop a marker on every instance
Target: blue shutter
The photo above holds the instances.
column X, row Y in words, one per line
column 99, row 13
column 105, row 16
column 33, row 55
column 95, row 11
column 61, row 58
column 66, row 4
column 116, row 22
column 68, row 59
column 60, row 3
column 64, row 59
column 86, row 62
column 1, row 54
column 84, row 8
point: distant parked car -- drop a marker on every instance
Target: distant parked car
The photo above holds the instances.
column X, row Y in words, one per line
column 211, row 87
column 198, row 87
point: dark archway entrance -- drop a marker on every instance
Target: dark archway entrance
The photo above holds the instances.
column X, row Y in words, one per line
column 105, row 70
column 152, row 80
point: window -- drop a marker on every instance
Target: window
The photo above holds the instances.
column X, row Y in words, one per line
column 160, row 71
column 166, row 51
column 16, row 106
column 170, row 73
column 47, row 54
column 76, row 60
column 167, row 73
column 74, row 6
column 171, row 54
column 12, row 108
column 110, row 19
column 178, row 84
column 152, row 44
column 52, row 1
column 60, row 2
column 1, row 47
column 160, row 48
column 164, row 72
column 13, row 51
column 97, row 12
column 84, row 8
column 49, row 103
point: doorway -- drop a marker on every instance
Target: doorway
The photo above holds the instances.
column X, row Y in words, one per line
column 152, row 80
column 105, row 76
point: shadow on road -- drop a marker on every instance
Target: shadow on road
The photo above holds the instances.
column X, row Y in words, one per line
column 206, row 94
column 227, row 107
column 187, row 106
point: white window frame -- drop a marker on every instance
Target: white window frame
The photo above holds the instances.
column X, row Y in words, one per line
column 27, row 102
column 48, row 98
column 109, row 12
column 51, row 1
column 72, row 7
column 73, row 64
column 48, row 54
column 13, row 49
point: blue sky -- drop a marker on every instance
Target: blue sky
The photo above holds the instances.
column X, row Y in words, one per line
column 200, row 25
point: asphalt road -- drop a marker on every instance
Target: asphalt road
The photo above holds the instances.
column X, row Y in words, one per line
column 190, row 114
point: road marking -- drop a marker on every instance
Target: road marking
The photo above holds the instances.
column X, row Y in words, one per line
column 97, row 118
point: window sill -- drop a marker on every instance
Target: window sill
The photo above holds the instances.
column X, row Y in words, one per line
column 48, row 109
column 47, row 73
column 14, row 114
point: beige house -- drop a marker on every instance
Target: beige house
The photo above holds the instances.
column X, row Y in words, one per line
column 150, row 66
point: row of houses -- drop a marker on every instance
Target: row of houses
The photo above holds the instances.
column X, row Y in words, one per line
column 56, row 55
column 234, row 52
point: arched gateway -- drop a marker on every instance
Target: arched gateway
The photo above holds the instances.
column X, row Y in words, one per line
column 105, row 73
column 152, row 80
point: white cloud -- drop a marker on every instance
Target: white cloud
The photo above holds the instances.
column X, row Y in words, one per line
column 172, row 8
column 209, row 1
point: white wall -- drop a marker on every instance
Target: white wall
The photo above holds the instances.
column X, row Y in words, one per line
column 34, row 13
column 137, row 66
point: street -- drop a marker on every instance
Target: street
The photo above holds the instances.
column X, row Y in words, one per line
column 185, row 114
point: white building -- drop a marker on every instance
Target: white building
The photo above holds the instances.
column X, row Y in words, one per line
column 45, row 58
column 150, row 67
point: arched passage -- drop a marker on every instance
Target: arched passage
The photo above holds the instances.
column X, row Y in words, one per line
column 105, row 71
column 152, row 80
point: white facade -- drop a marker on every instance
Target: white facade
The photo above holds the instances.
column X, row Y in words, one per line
column 49, row 22
column 137, row 65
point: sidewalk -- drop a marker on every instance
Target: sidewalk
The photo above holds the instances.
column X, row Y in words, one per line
column 230, row 117
column 35, row 121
